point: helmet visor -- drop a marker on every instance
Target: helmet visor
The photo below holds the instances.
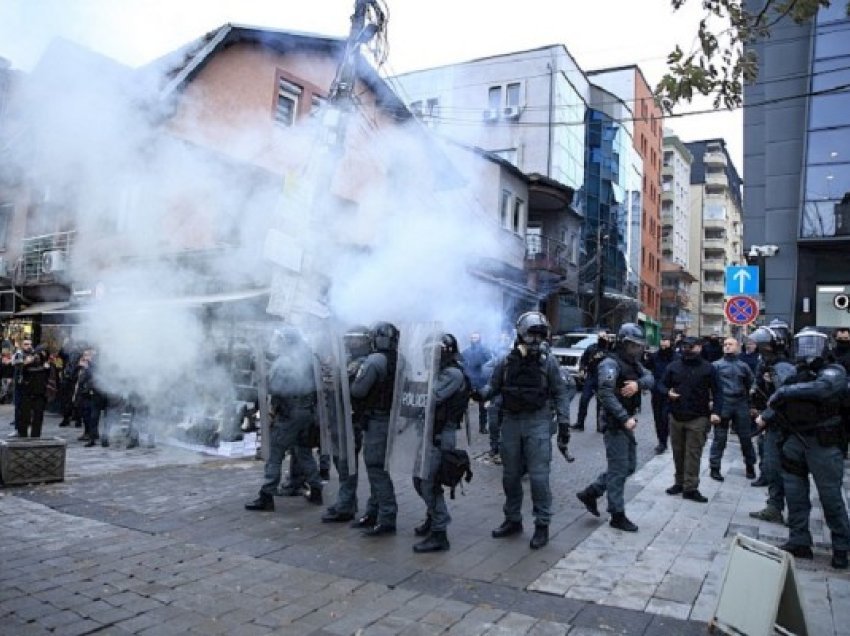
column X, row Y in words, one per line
column 810, row 345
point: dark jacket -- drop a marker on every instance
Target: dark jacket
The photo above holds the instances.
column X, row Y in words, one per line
column 475, row 357
column 698, row 386
column 658, row 362
column 736, row 378
column 34, row 377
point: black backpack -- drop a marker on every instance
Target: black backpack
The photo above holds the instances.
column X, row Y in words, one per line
column 454, row 468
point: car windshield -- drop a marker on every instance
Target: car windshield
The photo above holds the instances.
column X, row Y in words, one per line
column 574, row 341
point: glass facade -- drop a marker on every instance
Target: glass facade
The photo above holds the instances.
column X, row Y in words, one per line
column 610, row 201
column 826, row 205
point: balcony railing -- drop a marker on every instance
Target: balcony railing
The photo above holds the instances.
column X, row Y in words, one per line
column 714, row 243
column 712, row 309
column 717, row 287
column 45, row 258
column 542, row 252
column 715, row 159
column 714, row 264
column 716, row 179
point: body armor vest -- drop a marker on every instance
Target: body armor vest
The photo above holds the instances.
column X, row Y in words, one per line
column 629, row 372
column 525, row 387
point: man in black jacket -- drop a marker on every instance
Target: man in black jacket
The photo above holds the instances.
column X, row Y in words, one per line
column 589, row 365
column 693, row 388
column 34, row 374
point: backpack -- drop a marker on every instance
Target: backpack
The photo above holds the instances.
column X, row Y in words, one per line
column 454, row 468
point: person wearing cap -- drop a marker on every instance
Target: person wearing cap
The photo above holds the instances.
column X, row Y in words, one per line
column 693, row 388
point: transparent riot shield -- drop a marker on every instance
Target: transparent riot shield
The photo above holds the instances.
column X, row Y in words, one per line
column 328, row 364
column 345, row 445
column 411, row 431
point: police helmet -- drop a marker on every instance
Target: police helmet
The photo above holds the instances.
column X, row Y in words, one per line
column 532, row 323
column 767, row 338
column 384, row 336
column 447, row 345
column 782, row 332
column 809, row 343
column 630, row 332
column 358, row 341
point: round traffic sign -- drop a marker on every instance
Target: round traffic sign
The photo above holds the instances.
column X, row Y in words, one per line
column 741, row 310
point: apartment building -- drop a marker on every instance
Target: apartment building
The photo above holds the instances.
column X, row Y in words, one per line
column 676, row 272
column 629, row 84
column 527, row 108
column 716, row 231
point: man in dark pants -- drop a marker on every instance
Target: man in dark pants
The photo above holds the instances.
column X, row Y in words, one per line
column 88, row 398
column 373, row 387
column 475, row 358
column 531, row 386
column 695, row 400
column 774, row 370
column 18, row 363
column 589, row 365
column 34, row 375
column 736, row 380
column 292, row 389
column 658, row 363
column 806, row 409
column 450, row 396
column 621, row 379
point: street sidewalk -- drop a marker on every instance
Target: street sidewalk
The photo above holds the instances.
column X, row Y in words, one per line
column 674, row 565
column 156, row 541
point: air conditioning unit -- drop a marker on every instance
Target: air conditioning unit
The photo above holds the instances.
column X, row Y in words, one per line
column 53, row 261
column 511, row 112
column 491, row 114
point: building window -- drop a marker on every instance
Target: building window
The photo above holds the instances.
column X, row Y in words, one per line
column 505, row 210
column 6, row 212
column 512, row 95
column 286, row 109
column 494, row 97
column 518, row 220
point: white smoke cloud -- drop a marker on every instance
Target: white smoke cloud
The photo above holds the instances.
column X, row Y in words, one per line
column 147, row 205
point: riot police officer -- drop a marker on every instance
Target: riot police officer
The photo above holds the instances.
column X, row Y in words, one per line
column 373, row 389
column 530, row 384
column 293, row 392
column 450, row 397
column 773, row 371
column 621, row 378
column 358, row 345
column 806, row 409
column 589, row 365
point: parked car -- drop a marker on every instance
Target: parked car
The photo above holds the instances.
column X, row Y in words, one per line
column 568, row 349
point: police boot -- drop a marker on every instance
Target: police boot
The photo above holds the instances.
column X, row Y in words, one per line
column 715, row 474
column 314, row 496
column 366, row 521
column 620, row 521
column 540, row 538
column 437, row 541
column 507, row 529
column 769, row 513
column 423, row 529
column 799, row 551
column 332, row 515
column 589, row 502
column 839, row 559
column 263, row 502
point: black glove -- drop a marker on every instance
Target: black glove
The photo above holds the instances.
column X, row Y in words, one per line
column 475, row 394
column 564, row 440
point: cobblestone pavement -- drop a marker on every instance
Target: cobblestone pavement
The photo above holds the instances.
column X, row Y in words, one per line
column 157, row 541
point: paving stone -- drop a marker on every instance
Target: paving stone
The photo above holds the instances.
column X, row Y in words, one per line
column 681, row 589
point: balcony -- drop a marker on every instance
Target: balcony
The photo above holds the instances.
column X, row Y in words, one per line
column 714, row 265
column 715, row 159
column 45, row 258
column 714, row 243
column 709, row 223
column 678, row 298
column 715, row 179
column 546, row 254
column 712, row 309
column 717, row 287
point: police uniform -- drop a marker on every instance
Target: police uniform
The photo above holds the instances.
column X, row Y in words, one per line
column 620, row 443
column 812, row 440
column 450, row 405
column 373, row 387
column 529, row 385
column 292, row 387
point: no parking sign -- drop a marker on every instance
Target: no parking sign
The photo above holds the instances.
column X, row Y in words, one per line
column 741, row 310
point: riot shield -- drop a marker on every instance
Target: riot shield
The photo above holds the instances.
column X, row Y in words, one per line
column 342, row 400
column 411, row 430
column 327, row 368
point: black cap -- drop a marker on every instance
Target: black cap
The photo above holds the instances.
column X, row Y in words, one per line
column 690, row 341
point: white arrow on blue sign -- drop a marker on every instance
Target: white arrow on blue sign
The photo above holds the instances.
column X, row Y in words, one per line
column 742, row 280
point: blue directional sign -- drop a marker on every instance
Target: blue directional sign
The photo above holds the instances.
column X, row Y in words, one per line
column 742, row 280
